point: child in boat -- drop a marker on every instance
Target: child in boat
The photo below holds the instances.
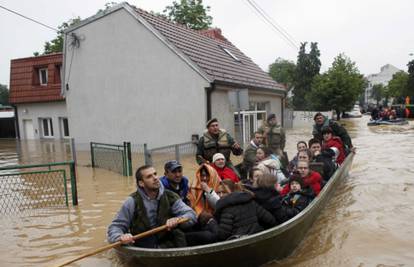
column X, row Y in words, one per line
column 310, row 179
column 297, row 199
column 237, row 213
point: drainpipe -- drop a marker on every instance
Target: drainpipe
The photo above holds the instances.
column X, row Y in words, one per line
column 209, row 90
column 16, row 122
column 283, row 111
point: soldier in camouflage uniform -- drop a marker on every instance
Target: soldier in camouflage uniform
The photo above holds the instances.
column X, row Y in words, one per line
column 216, row 140
column 274, row 137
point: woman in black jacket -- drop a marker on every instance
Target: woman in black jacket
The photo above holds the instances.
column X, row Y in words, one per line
column 268, row 197
column 237, row 213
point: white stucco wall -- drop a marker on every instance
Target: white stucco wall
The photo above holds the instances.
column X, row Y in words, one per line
column 126, row 85
column 382, row 77
column 37, row 111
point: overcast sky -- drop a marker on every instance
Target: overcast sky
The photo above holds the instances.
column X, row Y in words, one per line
column 372, row 33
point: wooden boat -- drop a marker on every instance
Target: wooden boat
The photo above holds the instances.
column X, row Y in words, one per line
column 254, row 250
column 398, row 121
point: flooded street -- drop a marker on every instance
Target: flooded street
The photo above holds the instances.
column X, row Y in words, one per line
column 367, row 223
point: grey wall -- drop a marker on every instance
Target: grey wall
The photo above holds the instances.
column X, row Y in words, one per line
column 36, row 111
column 126, row 85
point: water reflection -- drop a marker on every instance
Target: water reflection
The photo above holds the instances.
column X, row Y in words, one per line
column 367, row 223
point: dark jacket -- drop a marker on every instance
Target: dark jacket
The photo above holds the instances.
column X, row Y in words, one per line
column 206, row 235
column 238, row 214
column 326, row 157
column 271, row 201
column 337, row 129
column 293, row 203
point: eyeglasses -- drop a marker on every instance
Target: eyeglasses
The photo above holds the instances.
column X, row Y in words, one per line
column 221, row 193
column 303, row 168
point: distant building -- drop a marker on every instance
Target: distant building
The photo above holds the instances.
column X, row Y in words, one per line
column 35, row 91
column 383, row 77
column 134, row 76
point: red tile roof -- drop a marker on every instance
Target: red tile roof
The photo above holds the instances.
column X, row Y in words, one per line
column 24, row 81
column 205, row 48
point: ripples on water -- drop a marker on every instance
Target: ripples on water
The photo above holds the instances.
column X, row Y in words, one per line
column 367, row 223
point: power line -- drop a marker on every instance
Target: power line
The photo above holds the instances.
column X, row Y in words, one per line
column 276, row 24
column 275, row 28
column 35, row 21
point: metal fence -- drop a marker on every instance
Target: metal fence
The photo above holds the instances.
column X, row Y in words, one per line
column 158, row 156
column 116, row 158
column 24, row 187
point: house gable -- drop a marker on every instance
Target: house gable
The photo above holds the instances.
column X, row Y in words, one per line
column 122, row 77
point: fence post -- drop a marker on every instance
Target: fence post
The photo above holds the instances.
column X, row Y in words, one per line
column 73, row 149
column 92, row 156
column 147, row 155
column 124, row 160
column 129, row 157
column 177, row 153
column 73, row 185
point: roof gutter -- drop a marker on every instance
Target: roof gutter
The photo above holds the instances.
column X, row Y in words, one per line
column 277, row 91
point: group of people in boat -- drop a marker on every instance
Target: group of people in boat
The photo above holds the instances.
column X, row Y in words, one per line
column 224, row 201
column 386, row 114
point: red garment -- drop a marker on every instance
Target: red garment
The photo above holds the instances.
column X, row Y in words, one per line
column 226, row 173
column 314, row 180
column 335, row 142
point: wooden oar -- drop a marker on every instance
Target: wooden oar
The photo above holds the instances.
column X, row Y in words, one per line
column 135, row 237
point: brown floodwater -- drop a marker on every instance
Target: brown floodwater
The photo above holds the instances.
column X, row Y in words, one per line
column 367, row 223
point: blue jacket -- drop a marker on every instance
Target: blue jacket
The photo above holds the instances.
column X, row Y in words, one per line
column 182, row 190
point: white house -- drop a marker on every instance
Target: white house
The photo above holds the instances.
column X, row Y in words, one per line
column 134, row 76
column 383, row 77
column 35, row 92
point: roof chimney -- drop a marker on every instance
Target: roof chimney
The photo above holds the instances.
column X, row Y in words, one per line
column 214, row 33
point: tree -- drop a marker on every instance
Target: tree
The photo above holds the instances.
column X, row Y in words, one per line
column 409, row 90
column 378, row 92
column 107, row 6
column 4, row 94
column 398, row 86
column 338, row 88
column 307, row 67
column 56, row 44
column 191, row 13
column 283, row 71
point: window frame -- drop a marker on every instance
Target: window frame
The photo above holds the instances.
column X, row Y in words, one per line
column 39, row 72
column 62, row 127
column 49, row 125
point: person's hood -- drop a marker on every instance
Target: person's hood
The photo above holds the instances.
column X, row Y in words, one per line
column 232, row 199
column 264, row 193
column 145, row 196
column 271, row 163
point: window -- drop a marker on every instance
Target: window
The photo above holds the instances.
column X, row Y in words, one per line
column 43, row 76
column 47, row 127
column 64, row 127
column 230, row 53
